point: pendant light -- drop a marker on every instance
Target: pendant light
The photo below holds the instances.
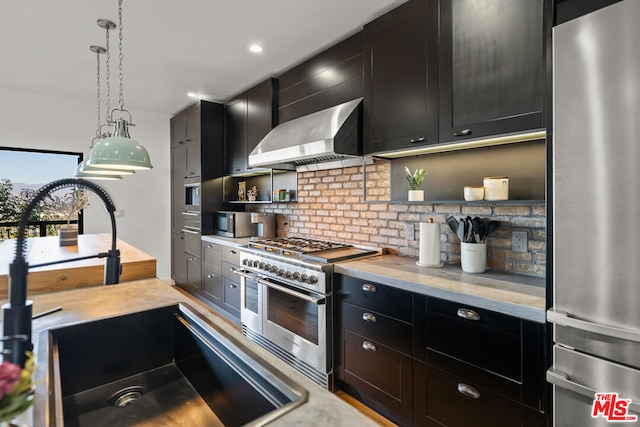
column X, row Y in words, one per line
column 82, row 170
column 119, row 150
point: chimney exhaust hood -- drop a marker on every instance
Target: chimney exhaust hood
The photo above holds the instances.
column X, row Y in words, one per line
column 328, row 137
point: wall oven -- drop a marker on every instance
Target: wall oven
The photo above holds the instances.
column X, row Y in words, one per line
column 287, row 300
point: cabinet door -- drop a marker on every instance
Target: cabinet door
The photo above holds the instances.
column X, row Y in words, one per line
column 193, row 151
column 381, row 375
column 194, row 274
column 178, row 171
column 193, row 124
column 231, row 297
column 260, row 113
column 492, row 67
column 178, row 259
column 236, row 135
column 212, row 286
column 399, row 99
column 178, row 126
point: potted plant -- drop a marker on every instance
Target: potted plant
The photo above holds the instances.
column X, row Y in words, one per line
column 414, row 180
column 252, row 193
column 69, row 206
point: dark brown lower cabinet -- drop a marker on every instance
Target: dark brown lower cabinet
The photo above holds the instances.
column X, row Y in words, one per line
column 438, row 362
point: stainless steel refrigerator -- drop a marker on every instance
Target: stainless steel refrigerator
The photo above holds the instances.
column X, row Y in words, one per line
column 596, row 218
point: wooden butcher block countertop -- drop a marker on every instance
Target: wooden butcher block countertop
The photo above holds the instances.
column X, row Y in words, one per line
column 76, row 274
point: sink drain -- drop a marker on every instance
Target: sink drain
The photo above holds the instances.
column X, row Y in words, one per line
column 126, row 396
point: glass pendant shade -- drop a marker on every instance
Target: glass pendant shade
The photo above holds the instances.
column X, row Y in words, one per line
column 83, row 167
column 80, row 173
column 119, row 151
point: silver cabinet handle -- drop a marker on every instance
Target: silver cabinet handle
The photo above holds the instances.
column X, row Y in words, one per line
column 369, row 288
column 210, row 246
column 463, row 132
column 189, row 213
column 211, row 276
column 419, row 139
column 465, row 313
column 232, row 286
column 185, row 230
column 564, row 319
column 468, row 391
column 369, row 346
column 233, row 252
column 368, row 317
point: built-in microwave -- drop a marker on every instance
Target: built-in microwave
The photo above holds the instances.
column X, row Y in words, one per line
column 234, row 224
column 192, row 195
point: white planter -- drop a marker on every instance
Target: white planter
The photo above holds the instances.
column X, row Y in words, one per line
column 473, row 257
column 416, row 195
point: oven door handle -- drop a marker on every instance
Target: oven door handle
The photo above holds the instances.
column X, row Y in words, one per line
column 255, row 278
column 317, row 301
column 243, row 273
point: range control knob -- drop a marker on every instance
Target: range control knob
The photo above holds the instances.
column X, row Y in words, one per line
column 288, row 274
column 245, row 262
column 273, row 269
column 261, row 266
column 313, row 280
column 281, row 272
column 296, row 276
column 304, row 278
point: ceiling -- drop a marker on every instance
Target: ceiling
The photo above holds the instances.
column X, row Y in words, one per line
column 170, row 48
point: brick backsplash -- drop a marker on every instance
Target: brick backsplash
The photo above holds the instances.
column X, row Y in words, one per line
column 330, row 206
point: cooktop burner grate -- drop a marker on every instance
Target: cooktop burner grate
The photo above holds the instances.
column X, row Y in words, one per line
column 296, row 245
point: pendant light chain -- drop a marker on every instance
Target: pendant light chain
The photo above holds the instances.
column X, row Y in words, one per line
column 120, row 50
column 108, row 78
column 98, row 92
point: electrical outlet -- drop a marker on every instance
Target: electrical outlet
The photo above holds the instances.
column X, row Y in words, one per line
column 409, row 232
column 519, row 241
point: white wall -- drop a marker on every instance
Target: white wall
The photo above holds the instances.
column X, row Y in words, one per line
column 31, row 120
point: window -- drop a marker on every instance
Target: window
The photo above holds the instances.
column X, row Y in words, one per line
column 22, row 173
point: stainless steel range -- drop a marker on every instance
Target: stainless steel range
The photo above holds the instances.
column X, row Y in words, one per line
column 287, row 299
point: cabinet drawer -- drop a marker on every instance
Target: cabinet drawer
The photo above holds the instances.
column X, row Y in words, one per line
column 377, row 372
column 230, row 254
column 210, row 254
column 454, row 402
column 371, row 324
column 375, row 296
column 490, row 319
column 492, row 342
column 225, row 271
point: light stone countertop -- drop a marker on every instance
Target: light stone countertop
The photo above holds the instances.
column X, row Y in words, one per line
column 227, row 241
column 322, row 409
column 515, row 295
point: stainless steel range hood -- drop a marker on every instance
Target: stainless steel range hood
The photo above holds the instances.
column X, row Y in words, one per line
column 327, row 137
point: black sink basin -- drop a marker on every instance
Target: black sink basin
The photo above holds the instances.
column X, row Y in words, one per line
column 165, row 366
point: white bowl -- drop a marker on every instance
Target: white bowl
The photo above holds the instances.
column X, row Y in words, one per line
column 473, row 193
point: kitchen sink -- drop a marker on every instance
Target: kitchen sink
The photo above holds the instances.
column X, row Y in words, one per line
column 166, row 366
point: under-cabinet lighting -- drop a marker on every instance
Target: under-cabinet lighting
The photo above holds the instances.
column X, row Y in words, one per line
column 476, row 143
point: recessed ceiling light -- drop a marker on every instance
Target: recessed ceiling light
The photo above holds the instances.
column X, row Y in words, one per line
column 192, row 95
column 255, row 48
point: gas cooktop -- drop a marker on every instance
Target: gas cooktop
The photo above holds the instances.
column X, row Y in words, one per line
column 312, row 249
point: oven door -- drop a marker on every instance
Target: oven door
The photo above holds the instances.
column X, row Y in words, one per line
column 297, row 320
column 250, row 301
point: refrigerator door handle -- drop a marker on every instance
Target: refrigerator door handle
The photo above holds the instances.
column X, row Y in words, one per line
column 564, row 319
column 560, row 379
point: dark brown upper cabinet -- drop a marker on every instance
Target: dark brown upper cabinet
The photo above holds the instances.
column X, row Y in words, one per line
column 401, row 78
column 248, row 118
column 492, row 62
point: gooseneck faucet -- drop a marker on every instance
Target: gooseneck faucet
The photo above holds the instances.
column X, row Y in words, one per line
column 17, row 312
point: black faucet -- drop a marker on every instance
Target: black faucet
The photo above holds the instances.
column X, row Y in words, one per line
column 17, row 313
